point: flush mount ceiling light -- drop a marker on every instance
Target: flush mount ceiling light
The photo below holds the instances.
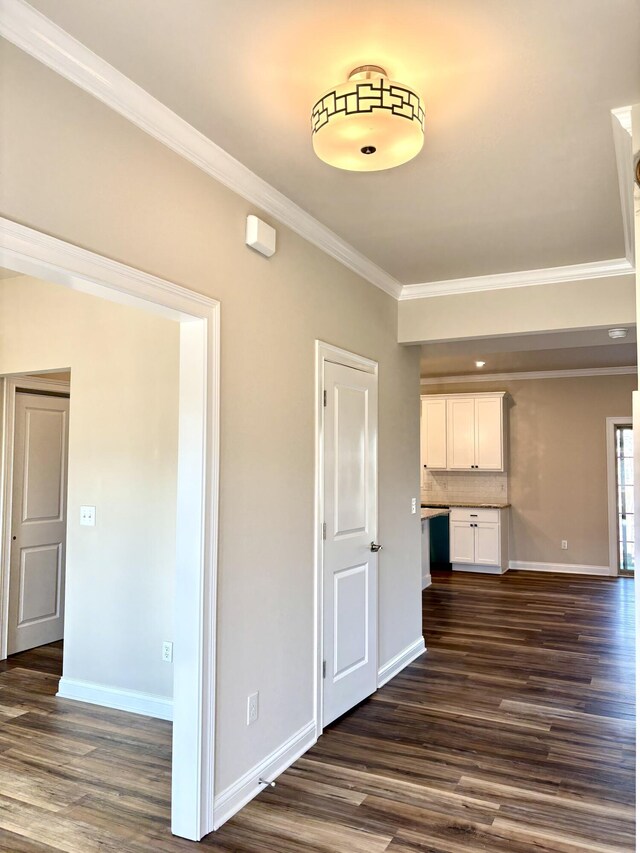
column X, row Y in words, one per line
column 618, row 333
column 480, row 363
column 369, row 123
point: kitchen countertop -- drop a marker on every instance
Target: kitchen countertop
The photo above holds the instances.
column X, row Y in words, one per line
column 452, row 503
column 430, row 512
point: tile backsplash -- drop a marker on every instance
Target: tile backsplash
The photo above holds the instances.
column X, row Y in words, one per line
column 461, row 485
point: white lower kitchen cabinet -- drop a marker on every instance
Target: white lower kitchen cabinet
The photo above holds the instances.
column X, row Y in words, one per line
column 479, row 540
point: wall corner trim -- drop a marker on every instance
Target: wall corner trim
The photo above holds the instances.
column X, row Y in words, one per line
column 559, row 568
column 236, row 796
column 402, row 659
column 621, row 124
column 132, row 701
column 48, row 43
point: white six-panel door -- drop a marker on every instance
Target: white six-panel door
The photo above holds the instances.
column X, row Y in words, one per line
column 39, row 517
column 350, row 568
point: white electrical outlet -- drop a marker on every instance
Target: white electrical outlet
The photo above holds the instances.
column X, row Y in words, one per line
column 88, row 516
column 414, row 505
column 252, row 708
column 564, row 544
column 167, row 652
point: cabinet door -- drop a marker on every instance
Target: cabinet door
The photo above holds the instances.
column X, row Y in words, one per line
column 461, row 434
column 461, row 542
column 487, row 544
column 488, row 434
column 433, row 433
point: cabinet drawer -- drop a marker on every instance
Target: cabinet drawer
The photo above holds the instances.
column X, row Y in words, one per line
column 474, row 515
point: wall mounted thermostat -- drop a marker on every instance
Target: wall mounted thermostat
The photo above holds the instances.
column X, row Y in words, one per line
column 260, row 236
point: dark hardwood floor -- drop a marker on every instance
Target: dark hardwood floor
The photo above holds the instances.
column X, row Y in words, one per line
column 46, row 659
column 515, row 733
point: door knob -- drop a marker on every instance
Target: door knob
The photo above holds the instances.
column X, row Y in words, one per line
column 375, row 548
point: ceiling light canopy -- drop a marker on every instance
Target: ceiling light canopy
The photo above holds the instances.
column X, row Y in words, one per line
column 618, row 333
column 369, row 123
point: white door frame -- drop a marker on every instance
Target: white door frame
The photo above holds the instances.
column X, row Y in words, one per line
column 34, row 253
column 327, row 353
column 612, row 491
column 8, row 388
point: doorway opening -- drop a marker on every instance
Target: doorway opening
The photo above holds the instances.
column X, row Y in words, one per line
column 620, row 465
column 32, row 253
column 36, row 454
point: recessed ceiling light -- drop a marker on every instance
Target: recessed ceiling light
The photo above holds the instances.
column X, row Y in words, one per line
column 618, row 333
column 480, row 363
column 369, row 123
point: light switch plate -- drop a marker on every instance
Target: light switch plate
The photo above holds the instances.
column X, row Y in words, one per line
column 88, row 516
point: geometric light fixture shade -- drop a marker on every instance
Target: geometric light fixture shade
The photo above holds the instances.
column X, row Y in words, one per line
column 368, row 123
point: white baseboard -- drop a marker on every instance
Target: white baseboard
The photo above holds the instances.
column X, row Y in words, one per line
column 233, row 798
column 147, row 704
column 402, row 659
column 560, row 568
column 481, row 570
column 426, row 581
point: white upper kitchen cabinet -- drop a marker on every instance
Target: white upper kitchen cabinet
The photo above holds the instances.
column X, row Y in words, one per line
column 461, row 431
column 489, row 438
column 464, row 432
column 433, row 432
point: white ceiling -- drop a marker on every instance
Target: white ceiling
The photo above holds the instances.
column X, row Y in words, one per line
column 518, row 168
column 588, row 348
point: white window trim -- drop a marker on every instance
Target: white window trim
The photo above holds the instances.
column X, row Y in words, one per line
column 612, row 499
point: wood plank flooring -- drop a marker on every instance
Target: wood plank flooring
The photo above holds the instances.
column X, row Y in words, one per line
column 515, row 733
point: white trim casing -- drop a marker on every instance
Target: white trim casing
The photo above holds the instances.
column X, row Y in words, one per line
column 523, row 278
column 558, row 568
column 531, row 374
column 612, row 489
column 621, row 124
column 402, row 659
column 132, row 701
column 9, row 386
column 233, row 798
column 326, row 353
column 33, row 253
column 38, row 36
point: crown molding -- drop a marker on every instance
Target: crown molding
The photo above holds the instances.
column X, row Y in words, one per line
column 524, row 278
column 532, row 374
column 623, row 115
column 621, row 125
column 38, row 36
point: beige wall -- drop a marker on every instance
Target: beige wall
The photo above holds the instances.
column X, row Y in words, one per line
column 557, row 463
column 519, row 310
column 76, row 170
column 123, row 435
